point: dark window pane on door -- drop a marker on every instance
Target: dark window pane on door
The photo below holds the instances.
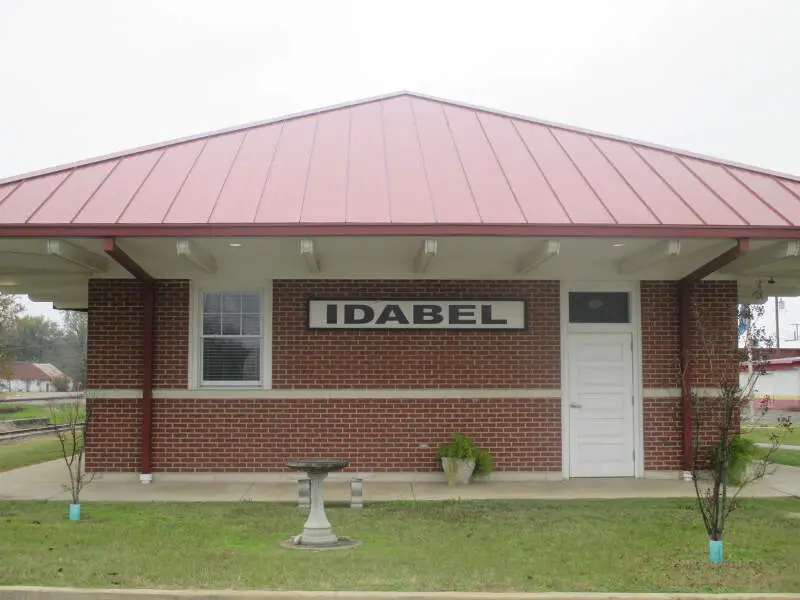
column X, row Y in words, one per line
column 599, row 307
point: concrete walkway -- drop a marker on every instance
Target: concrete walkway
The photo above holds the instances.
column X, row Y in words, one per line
column 782, row 446
column 45, row 482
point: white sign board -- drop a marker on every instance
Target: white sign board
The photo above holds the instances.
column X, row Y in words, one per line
column 416, row 314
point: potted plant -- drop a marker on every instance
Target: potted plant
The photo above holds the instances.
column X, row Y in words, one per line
column 462, row 459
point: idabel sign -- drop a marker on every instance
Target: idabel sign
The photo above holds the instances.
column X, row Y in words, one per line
column 416, row 314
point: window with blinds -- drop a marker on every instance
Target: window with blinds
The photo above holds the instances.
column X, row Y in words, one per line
column 232, row 338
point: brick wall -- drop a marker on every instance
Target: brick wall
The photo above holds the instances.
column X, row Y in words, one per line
column 660, row 335
column 115, row 334
column 714, row 351
column 258, row 435
column 713, row 355
column 713, row 310
column 523, row 434
column 663, row 434
column 112, row 441
column 304, row 358
column 116, row 329
column 171, row 356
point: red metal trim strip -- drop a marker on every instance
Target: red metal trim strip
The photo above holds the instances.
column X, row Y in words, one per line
column 685, row 288
column 399, row 229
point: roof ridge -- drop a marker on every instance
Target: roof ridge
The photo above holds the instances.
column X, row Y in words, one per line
column 200, row 136
column 608, row 136
column 379, row 98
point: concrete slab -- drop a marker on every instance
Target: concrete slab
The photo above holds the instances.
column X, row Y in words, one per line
column 278, row 492
column 166, row 492
column 785, row 480
column 45, row 481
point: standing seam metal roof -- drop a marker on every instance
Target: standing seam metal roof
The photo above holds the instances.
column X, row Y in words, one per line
column 403, row 159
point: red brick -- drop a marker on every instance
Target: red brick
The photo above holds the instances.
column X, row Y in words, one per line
column 380, row 434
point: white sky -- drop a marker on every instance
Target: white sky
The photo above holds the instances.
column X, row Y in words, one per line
column 83, row 78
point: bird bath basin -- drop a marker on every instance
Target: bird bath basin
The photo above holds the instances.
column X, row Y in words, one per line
column 317, row 533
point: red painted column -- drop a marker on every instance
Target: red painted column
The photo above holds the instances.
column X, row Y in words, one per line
column 122, row 258
column 147, row 380
column 685, row 299
column 685, row 287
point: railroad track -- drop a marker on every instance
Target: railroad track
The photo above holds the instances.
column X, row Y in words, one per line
column 32, row 432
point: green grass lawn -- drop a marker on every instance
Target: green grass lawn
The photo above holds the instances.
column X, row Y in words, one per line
column 21, row 453
column 57, row 414
column 761, row 434
column 28, row 411
column 790, row 458
column 493, row 546
column 780, row 457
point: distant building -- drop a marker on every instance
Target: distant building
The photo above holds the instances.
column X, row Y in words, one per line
column 30, row 377
column 779, row 381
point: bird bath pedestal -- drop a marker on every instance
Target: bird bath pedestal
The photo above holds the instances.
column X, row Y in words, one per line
column 317, row 532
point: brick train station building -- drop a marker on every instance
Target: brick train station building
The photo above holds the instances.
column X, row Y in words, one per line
column 363, row 280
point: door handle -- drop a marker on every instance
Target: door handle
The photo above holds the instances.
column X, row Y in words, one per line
column 573, row 405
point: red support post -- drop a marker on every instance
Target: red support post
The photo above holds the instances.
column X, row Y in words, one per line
column 685, row 288
column 147, row 381
column 148, row 296
column 685, row 297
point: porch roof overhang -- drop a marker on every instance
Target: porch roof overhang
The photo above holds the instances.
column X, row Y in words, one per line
column 362, row 186
column 61, row 272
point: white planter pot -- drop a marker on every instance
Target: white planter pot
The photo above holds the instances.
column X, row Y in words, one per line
column 458, row 470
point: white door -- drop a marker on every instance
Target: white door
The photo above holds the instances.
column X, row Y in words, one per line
column 600, row 405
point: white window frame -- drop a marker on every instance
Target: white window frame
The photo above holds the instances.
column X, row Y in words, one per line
column 196, row 335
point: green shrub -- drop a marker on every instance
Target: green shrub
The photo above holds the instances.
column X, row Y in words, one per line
column 741, row 452
column 461, row 446
column 483, row 463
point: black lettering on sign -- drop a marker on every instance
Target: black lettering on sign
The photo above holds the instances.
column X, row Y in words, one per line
column 365, row 315
column 393, row 313
column 486, row 316
column 331, row 314
column 462, row 314
column 427, row 314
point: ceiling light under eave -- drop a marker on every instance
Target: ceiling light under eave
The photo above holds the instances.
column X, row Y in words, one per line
column 618, row 245
column 234, row 244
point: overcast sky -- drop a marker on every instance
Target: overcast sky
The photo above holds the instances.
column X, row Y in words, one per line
column 83, row 78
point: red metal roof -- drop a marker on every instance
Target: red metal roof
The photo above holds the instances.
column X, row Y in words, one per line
column 403, row 161
column 27, row 371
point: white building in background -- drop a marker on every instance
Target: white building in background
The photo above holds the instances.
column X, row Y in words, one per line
column 31, row 377
column 780, row 382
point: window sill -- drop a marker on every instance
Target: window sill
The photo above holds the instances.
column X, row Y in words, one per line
column 232, row 386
